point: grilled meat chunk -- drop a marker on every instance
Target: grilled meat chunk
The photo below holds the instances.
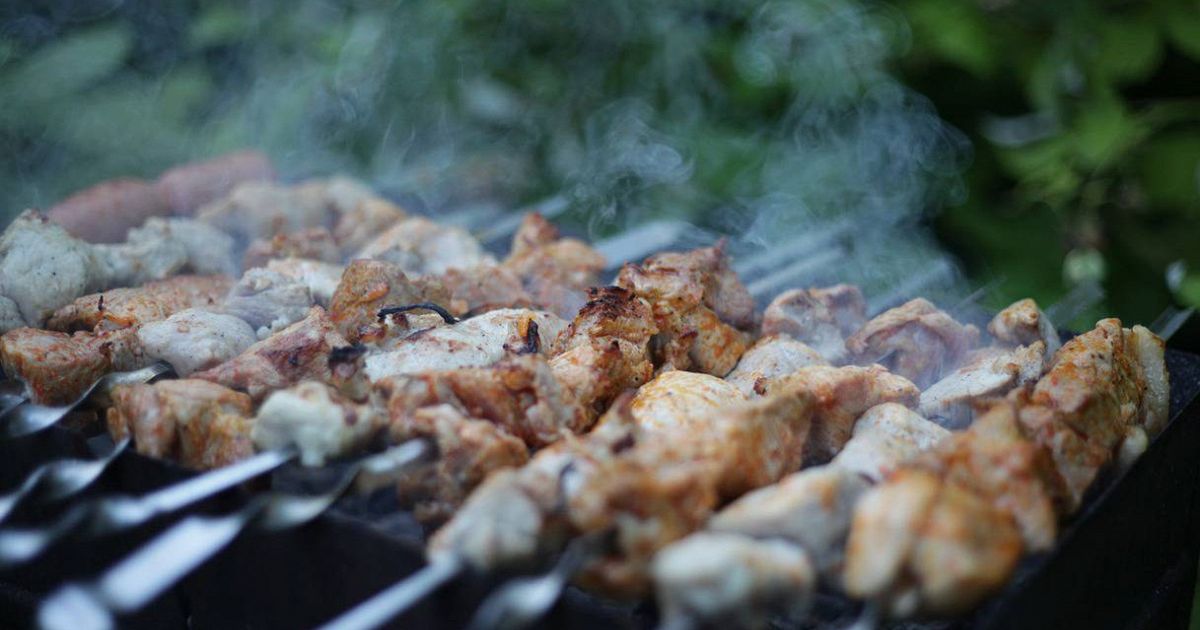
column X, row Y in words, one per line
column 190, row 186
column 987, row 372
column 840, row 396
column 269, row 301
column 420, row 246
column 361, row 221
column 469, row 449
column 915, row 340
column 885, row 437
column 699, row 307
column 43, row 268
column 197, row 423
column 193, row 339
column 205, row 249
column 771, row 357
column 297, row 353
column 369, row 285
column 313, row 243
column 130, row 307
column 819, row 317
column 476, row 342
column 255, row 210
column 321, row 278
column 105, row 212
column 57, row 367
column 485, row 287
column 556, row 272
column 1022, row 323
column 317, row 421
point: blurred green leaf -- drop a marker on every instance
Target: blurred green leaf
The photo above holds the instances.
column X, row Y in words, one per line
column 1103, row 131
column 1189, row 290
column 65, row 67
column 1181, row 18
column 219, row 25
column 1168, row 168
column 956, row 32
column 1128, row 49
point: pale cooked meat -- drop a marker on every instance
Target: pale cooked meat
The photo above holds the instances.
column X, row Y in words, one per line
column 519, row 394
column 810, row 508
column 556, row 272
column 886, row 436
column 699, row 306
column 840, row 395
column 127, row 307
column 314, row 244
column 1022, row 323
column 206, row 250
column 468, row 450
column 476, row 342
column 195, row 339
column 673, row 401
column 987, row 372
column 995, row 461
column 200, row 424
column 296, row 353
column 370, row 285
column 317, row 421
column 321, row 278
column 420, row 246
column 485, row 287
column 57, row 367
column 10, row 315
column 263, row 209
column 340, row 193
column 1149, row 351
column 268, row 300
column 771, row 357
column 732, row 580
column 360, row 222
column 43, row 268
column 915, row 340
column 604, row 351
column 820, row 317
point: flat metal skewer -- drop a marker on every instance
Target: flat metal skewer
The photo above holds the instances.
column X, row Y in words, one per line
column 60, row 479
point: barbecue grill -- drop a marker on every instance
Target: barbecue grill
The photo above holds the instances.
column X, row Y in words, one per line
column 1138, row 533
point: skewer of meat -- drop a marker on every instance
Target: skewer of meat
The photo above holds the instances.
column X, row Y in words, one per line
column 947, row 531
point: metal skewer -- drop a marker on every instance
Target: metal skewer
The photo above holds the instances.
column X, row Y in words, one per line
column 30, row 418
column 60, row 479
column 151, row 570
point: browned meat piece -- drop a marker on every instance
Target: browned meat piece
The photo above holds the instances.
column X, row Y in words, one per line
column 771, row 357
column 820, row 317
column 483, row 288
column 313, row 243
column 699, row 307
column 106, row 211
column 468, row 450
column 920, row 543
column 57, row 367
column 370, row 218
column 296, row 353
column 915, row 340
column 190, row 186
column 519, row 394
column 369, row 285
column 1022, row 323
column 605, row 349
column 200, row 424
column 840, row 396
column 153, row 301
column 556, row 271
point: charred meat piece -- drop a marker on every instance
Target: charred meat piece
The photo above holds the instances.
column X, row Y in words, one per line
column 370, row 285
column 194, row 339
column 840, row 396
column 476, row 342
column 57, row 367
column 987, row 372
column 313, row 243
column 915, row 340
column 297, row 353
column 771, row 357
column 197, row 423
column 316, row 420
column 556, row 272
column 819, row 317
column 1022, row 323
column 105, row 212
column 129, row 307
column 699, row 307
column 420, row 246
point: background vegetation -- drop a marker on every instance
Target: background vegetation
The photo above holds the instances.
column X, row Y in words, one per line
column 1072, row 152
